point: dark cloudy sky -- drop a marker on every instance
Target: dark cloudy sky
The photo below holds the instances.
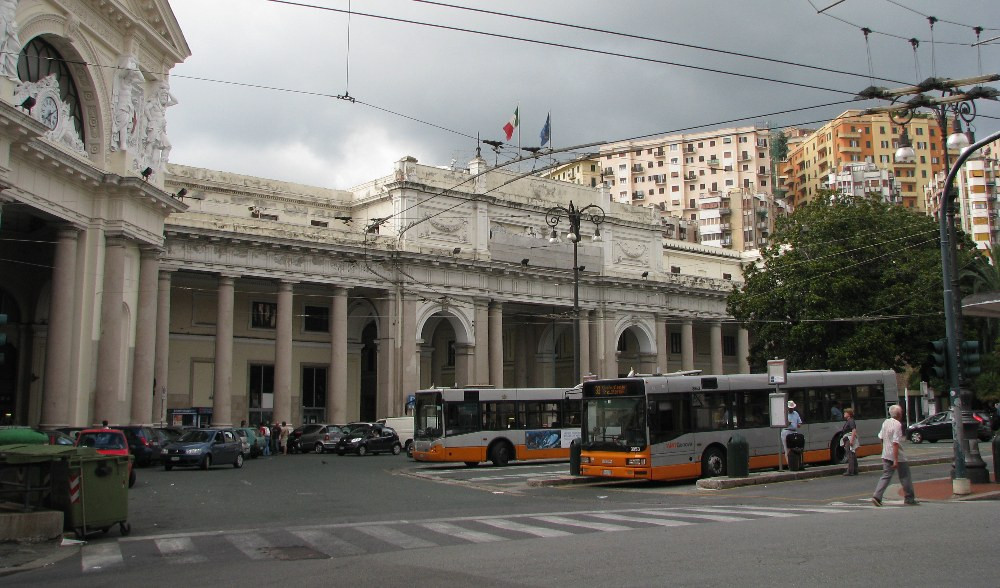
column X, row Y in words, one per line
column 263, row 104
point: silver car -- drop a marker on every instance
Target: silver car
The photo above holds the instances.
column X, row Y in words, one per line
column 323, row 440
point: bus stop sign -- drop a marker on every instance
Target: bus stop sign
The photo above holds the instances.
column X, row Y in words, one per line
column 777, row 371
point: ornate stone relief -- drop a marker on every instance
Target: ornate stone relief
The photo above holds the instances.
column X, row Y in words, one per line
column 624, row 249
column 127, row 98
column 10, row 43
column 51, row 111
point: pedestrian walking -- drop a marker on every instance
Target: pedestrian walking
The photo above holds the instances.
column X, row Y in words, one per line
column 265, row 430
column 794, row 422
column 849, row 439
column 275, row 438
column 893, row 459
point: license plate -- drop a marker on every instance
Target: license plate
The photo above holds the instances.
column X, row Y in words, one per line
column 605, row 472
column 175, row 458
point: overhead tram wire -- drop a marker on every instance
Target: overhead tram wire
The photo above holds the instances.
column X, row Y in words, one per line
column 565, row 46
column 951, row 22
column 894, row 36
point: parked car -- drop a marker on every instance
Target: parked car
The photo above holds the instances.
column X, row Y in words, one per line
column 404, row 428
column 57, row 437
column 143, row 443
column 71, row 431
column 204, row 448
column 332, row 436
column 169, row 433
column 311, row 437
column 938, row 427
column 108, row 442
column 255, row 441
column 365, row 438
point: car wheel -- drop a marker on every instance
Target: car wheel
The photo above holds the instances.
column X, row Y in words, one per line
column 916, row 437
column 409, row 449
column 239, row 461
column 318, row 448
column 396, row 449
column 206, row 462
column 713, row 463
column 362, row 450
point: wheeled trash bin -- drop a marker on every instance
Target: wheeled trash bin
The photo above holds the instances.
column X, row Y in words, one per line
column 93, row 492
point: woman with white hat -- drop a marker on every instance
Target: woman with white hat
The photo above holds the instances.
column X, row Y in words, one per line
column 794, row 422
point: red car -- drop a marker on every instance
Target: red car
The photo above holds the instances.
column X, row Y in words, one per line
column 107, row 442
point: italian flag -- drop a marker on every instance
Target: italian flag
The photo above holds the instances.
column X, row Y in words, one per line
column 511, row 125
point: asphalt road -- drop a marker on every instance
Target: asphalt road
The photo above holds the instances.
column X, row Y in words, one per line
column 308, row 519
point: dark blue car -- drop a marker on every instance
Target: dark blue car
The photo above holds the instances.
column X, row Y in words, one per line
column 204, row 448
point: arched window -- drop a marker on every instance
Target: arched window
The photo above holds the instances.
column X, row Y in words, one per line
column 39, row 59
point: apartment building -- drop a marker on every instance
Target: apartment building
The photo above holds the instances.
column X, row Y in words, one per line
column 585, row 171
column 712, row 187
column 860, row 179
column 978, row 208
column 854, row 137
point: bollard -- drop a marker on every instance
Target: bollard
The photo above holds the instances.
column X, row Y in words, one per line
column 738, row 457
column 574, row 457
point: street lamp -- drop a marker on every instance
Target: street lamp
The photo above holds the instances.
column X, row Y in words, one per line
column 594, row 214
column 960, row 104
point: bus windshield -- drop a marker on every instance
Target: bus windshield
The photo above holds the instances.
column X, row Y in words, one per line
column 614, row 424
column 428, row 417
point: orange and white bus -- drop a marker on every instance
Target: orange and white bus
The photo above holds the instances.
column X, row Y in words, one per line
column 672, row 427
column 477, row 424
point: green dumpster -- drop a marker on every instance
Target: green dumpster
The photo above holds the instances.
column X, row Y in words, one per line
column 94, row 494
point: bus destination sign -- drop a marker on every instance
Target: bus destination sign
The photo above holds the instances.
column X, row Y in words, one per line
column 604, row 389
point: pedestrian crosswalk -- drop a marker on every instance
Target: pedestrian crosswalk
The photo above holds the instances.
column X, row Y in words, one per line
column 344, row 540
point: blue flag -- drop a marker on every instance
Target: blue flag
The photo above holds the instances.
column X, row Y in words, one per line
column 546, row 130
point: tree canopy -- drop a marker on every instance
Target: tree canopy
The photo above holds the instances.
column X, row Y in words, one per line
column 846, row 283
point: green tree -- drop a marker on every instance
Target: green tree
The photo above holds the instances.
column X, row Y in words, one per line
column 847, row 283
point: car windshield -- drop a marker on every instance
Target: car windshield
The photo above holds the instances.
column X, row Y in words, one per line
column 197, row 436
column 359, row 430
column 103, row 440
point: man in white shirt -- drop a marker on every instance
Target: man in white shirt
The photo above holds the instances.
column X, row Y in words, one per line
column 893, row 458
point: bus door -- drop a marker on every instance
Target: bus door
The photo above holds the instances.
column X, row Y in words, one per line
column 670, row 438
column 754, row 422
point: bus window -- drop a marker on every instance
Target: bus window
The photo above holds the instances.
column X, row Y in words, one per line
column 869, row 402
column 666, row 417
column 461, row 418
column 538, row 415
column 498, row 416
column 710, row 411
column 755, row 409
column 571, row 412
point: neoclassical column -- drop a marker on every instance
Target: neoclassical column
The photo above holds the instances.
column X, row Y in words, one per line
column 662, row 343
column 144, row 357
column 337, row 374
column 463, row 363
column 525, row 363
column 108, row 393
column 687, row 344
column 584, row 333
column 283, row 355
column 595, row 338
column 59, row 343
column 385, row 348
column 496, row 343
column 743, row 350
column 222, row 395
column 610, row 346
column 715, row 344
column 161, row 366
column 409, row 361
column 481, row 358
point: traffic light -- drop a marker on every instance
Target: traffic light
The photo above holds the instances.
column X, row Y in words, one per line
column 970, row 359
column 939, row 358
column 3, row 337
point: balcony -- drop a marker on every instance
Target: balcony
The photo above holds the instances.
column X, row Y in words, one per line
column 659, row 153
column 848, row 149
column 609, row 171
column 638, row 196
column 713, row 163
column 727, row 242
column 638, row 168
column 660, row 179
column 691, row 177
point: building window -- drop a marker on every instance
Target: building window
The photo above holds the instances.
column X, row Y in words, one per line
column 675, row 343
column 313, row 395
column 729, row 345
column 264, row 315
column 675, row 269
column 261, row 393
column 316, row 320
column 38, row 60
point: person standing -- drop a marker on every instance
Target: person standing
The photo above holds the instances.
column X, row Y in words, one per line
column 285, row 429
column 265, row 431
column 849, row 439
column 275, row 438
column 893, row 459
column 794, row 422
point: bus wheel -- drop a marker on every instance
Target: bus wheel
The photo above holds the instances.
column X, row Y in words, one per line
column 471, row 464
column 500, row 454
column 713, row 463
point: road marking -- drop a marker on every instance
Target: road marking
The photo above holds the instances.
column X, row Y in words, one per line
column 653, row 521
column 522, row 528
column 252, row 545
column 584, row 524
column 456, row 531
column 327, row 543
column 690, row 515
column 818, row 509
column 180, row 550
column 508, row 477
column 98, row 556
column 394, row 537
column 762, row 513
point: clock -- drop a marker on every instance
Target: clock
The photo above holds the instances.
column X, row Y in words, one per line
column 48, row 112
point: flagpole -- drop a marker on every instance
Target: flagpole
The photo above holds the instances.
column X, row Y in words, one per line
column 518, row 131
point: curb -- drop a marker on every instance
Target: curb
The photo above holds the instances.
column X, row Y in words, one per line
column 806, row 474
column 58, row 553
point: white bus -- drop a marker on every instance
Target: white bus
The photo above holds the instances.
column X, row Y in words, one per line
column 675, row 427
column 476, row 424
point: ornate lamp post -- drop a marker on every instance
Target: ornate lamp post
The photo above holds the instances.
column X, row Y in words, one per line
column 594, row 214
column 959, row 104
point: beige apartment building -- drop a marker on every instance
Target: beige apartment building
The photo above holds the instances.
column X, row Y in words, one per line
column 854, row 137
column 978, row 209
column 712, row 188
column 585, row 171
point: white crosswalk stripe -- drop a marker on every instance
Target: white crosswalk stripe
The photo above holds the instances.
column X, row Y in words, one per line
column 395, row 537
column 100, row 556
column 340, row 540
column 180, row 550
column 523, row 528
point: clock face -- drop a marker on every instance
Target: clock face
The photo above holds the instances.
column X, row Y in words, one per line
column 49, row 112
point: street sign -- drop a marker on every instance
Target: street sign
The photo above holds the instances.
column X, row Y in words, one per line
column 777, row 371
